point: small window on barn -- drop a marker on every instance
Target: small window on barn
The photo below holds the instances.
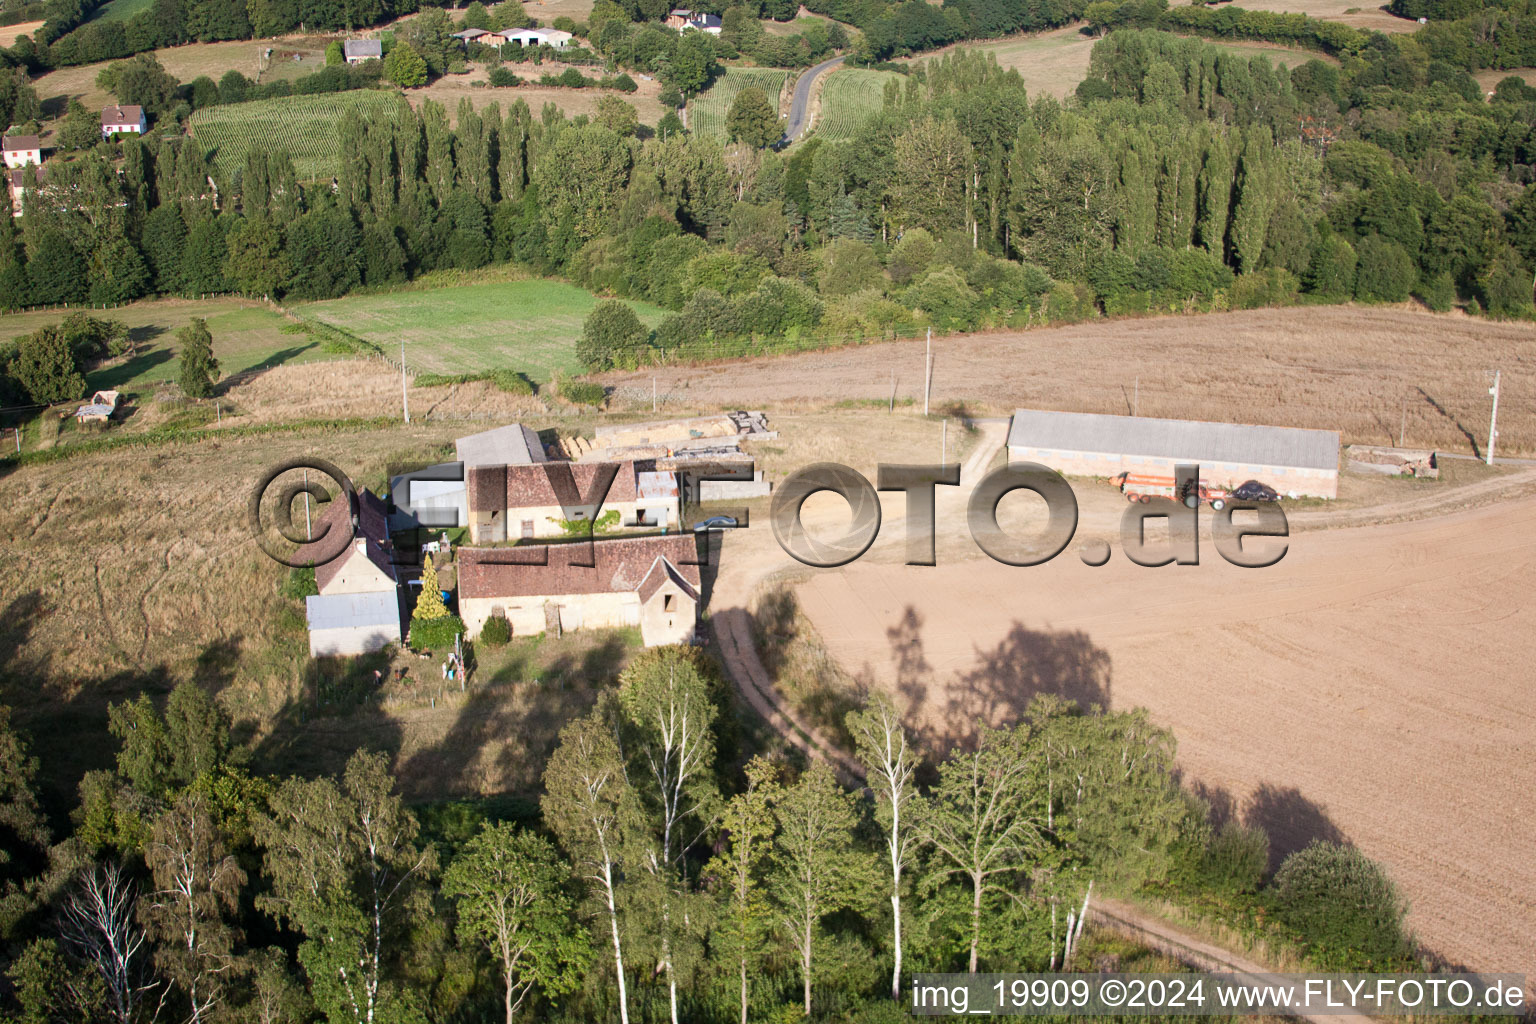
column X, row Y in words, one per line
column 669, row 602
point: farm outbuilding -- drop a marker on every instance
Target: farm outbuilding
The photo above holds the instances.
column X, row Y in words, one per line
column 352, row 623
column 1291, row 460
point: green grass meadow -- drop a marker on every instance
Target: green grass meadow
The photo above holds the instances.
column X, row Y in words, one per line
column 305, row 126
column 530, row 326
column 706, row 113
column 246, row 335
column 121, row 10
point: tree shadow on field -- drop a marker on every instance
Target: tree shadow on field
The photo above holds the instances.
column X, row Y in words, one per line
column 1291, row 820
column 1000, row 684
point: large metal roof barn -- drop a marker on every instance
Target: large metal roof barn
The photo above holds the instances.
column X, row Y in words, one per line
column 1289, row 459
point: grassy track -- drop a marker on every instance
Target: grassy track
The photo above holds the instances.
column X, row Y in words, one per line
column 849, row 98
column 303, row 125
column 531, row 326
column 706, row 114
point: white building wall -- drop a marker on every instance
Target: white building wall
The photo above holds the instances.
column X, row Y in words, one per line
column 351, row 640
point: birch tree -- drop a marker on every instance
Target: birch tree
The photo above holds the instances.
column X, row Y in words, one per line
column 747, row 824
column 98, row 925
column 980, row 823
column 506, row 884
column 592, row 809
column 816, row 869
column 1109, row 800
column 197, row 892
column 888, row 758
column 346, row 873
column 665, row 698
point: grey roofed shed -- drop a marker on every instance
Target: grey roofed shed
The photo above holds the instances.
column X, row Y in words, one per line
column 348, row 611
column 1184, row 440
column 362, row 48
column 512, row 445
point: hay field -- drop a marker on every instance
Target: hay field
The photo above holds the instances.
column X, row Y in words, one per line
column 1368, row 371
column 451, row 89
column 304, row 126
column 531, row 326
column 10, row 33
column 156, row 579
column 188, row 62
column 706, row 111
column 1347, row 12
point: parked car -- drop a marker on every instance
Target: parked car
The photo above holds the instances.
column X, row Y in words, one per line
column 1252, row 490
column 715, row 523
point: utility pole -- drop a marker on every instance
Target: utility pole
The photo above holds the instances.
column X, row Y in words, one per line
column 927, row 371
column 653, row 392
column 893, row 391
column 405, row 405
column 1493, row 419
column 309, row 530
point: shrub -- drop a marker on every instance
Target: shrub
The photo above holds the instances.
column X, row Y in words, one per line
column 427, row 634
column 1235, row 859
column 512, row 382
column 1342, row 907
column 1331, row 272
column 583, row 392
column 504, row 79
column 496, row 631
column 612, row 335
column 299, row 584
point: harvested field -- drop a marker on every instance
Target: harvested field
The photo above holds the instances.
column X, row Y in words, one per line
column 473, row 85
column 1360, row 370
column 1367, row 688
column 849, row 98
column 1345, row 12
column 10, row 33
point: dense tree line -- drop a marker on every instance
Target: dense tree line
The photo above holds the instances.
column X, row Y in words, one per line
column 1184, row 177
column 665, row 875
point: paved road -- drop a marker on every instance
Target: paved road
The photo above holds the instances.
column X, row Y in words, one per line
column 800, row 105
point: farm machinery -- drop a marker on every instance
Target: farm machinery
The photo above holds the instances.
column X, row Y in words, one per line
column 1143, row 487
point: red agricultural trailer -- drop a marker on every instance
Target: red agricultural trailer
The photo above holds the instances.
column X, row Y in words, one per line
column 1143, row 487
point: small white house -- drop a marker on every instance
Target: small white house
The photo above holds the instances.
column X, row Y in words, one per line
column 21, row 150
column 355, row 51
column 123, row 119
column 557, row 38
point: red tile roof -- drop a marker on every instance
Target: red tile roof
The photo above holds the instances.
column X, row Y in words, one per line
column 129, row 114
column 372, row 526
column 620, row 565
column 544, row 483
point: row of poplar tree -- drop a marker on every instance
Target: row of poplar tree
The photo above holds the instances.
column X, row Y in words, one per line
column 1324, row 187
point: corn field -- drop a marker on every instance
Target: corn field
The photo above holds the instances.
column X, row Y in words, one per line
column 849, row 98
column 706, row 114
column 305, row 126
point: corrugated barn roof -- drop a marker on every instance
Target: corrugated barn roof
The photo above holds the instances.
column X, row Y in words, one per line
column 1184, row 440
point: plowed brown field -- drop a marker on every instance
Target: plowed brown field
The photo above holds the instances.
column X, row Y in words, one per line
column 1374, row 686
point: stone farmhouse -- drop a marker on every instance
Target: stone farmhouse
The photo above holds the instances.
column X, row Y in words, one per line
column 650, row 582
column 525, row 502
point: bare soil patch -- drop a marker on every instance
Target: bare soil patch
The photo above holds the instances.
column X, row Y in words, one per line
column 1358, row 370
